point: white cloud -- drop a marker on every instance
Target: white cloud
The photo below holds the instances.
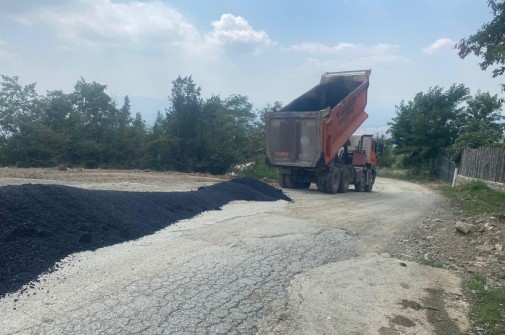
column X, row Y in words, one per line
column 356, row 63
column 441, row 43
column 342, row 47
column 319, row 48
column 348, row 55
column 107, row 22
column 152, row 25
column 233, row 30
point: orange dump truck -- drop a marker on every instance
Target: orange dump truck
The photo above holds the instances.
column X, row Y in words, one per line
column 310, row 139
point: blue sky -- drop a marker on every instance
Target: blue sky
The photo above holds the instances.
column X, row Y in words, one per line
column 267, row 50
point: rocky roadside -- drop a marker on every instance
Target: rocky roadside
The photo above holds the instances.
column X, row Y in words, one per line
column 470, row 245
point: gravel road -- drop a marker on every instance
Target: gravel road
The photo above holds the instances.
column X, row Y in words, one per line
column 317, row 265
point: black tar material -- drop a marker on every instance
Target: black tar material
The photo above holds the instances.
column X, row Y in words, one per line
column 42, row 224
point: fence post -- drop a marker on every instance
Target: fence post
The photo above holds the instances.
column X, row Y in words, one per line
column 455, row 176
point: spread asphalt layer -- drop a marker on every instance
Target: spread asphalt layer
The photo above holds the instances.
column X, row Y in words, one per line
column 42, row 224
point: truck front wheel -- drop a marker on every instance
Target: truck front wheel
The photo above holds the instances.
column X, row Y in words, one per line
column 359, row 186
column 344, row 181
column 371, row 181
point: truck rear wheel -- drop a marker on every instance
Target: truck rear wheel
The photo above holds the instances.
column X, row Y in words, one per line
column 320, row 185
column 303, row 184
column 344, row 181
column 290, row 183
column 280, row 178
column 286, row 181
column 331, row 186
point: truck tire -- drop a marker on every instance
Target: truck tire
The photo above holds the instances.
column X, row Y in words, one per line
column 331, row 186
column 320, row 185
column 344, row 181
column 359, row 186
column 280, row 178
column 286, row 181
column 368, row 188
column 303, row 184
column 289, row 182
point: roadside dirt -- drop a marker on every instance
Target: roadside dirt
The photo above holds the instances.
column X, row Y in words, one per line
column 468, row 245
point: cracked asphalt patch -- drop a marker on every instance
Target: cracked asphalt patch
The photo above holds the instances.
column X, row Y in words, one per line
column 179, row 283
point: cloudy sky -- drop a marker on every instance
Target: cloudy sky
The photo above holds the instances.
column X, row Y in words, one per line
column 265, row 49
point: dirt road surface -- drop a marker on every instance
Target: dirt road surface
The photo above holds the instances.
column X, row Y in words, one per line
column 318, row 265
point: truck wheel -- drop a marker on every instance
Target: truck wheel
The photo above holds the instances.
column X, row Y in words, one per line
column 359, row 186
column 344, row 181
column 368, row 188
column 320, row 184
column 280, row 178
column 288, row 180
column 332, row 185
column 303, row 184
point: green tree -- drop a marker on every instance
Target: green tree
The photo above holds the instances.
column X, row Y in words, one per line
column 160, row 144
column 26, row 140
column 181, row 123
column 18, row 104
column 387, row 159
column 426, row 125
column 479, row 124
column 96, row 122
column 138, row 138
column 223, row 132
column 489, row 41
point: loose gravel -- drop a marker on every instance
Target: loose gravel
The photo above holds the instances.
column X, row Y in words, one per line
column 42, row 224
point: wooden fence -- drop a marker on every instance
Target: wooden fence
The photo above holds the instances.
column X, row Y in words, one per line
column 446, row 170
column 484, row 163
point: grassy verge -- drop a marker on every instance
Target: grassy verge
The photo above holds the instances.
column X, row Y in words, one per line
column 477, row 198
column 490, row 306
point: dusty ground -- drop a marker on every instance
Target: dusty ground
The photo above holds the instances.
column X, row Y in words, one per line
column 344, row 264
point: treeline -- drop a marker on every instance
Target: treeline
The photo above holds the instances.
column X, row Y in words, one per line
column 86, row 128
column 443, row 122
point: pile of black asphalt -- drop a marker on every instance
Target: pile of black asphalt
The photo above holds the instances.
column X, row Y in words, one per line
column 42, row 224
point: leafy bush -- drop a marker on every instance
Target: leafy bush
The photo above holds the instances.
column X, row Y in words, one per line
column 259, row 169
